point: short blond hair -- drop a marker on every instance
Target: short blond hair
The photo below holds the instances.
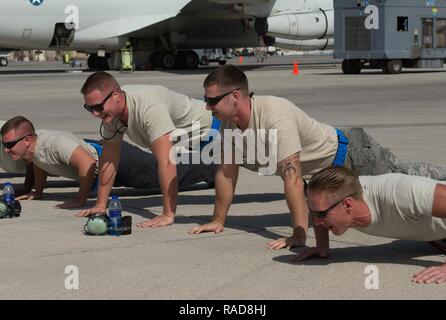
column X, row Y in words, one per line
column 339, row 181
column 100, row 81
column 16, row 123
column 228, row 77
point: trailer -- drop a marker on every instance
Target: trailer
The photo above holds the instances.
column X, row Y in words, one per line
column 390, row 34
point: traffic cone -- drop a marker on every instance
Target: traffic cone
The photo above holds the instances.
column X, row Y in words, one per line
column 296, row 68
column 241, row 59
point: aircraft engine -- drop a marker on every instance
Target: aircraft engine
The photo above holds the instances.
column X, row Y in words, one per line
column 298, row 26
column 305, row 45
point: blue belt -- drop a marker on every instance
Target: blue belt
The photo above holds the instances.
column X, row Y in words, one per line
column 341, row 154
column 98, row 148
column 215, row 126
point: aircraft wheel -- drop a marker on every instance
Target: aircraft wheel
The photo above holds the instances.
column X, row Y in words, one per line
column 3, row 62
column 169, row 61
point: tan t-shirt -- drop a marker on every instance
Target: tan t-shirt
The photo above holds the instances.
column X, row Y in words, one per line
column 6, row 163
column 401, row 207
column 155, row 111
column 54, row 150
column 296, row 132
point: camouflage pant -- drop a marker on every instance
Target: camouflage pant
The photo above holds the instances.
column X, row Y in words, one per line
column 367, row 157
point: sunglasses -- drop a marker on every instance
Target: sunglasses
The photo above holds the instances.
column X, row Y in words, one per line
column 11, row 144
column 214, row 100
column 100, row 106
column 323, row 213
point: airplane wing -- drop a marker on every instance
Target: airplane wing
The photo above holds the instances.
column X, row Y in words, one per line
column 209, row 24
column 256, row 8
column 147, row 25
column 119, row 27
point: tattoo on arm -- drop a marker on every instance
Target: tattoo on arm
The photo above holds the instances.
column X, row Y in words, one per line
column 290, row 167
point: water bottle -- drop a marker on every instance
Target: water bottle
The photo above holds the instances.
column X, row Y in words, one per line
column 115, row 215
column 8, row 196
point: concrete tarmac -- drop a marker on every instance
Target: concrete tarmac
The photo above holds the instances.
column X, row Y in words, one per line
column 405, row 113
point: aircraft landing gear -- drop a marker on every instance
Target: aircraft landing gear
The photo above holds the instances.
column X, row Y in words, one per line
column 169, row 61
column 187, row 59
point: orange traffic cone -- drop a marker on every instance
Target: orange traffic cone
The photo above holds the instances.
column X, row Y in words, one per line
column 241, row 59
column 296, row 68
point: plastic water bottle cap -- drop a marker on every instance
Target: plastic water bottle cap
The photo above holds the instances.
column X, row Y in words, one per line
column 115, row 198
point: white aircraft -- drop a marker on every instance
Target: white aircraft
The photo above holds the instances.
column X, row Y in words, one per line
column 163, row 32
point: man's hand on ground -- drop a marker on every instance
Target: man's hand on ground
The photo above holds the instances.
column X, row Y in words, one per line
column 29, row 196
column 159, row 221
column 92, row 211
column 431, row 275
column 308, row 253
column 208, row 227
column 74, row 203
column 289, row 243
